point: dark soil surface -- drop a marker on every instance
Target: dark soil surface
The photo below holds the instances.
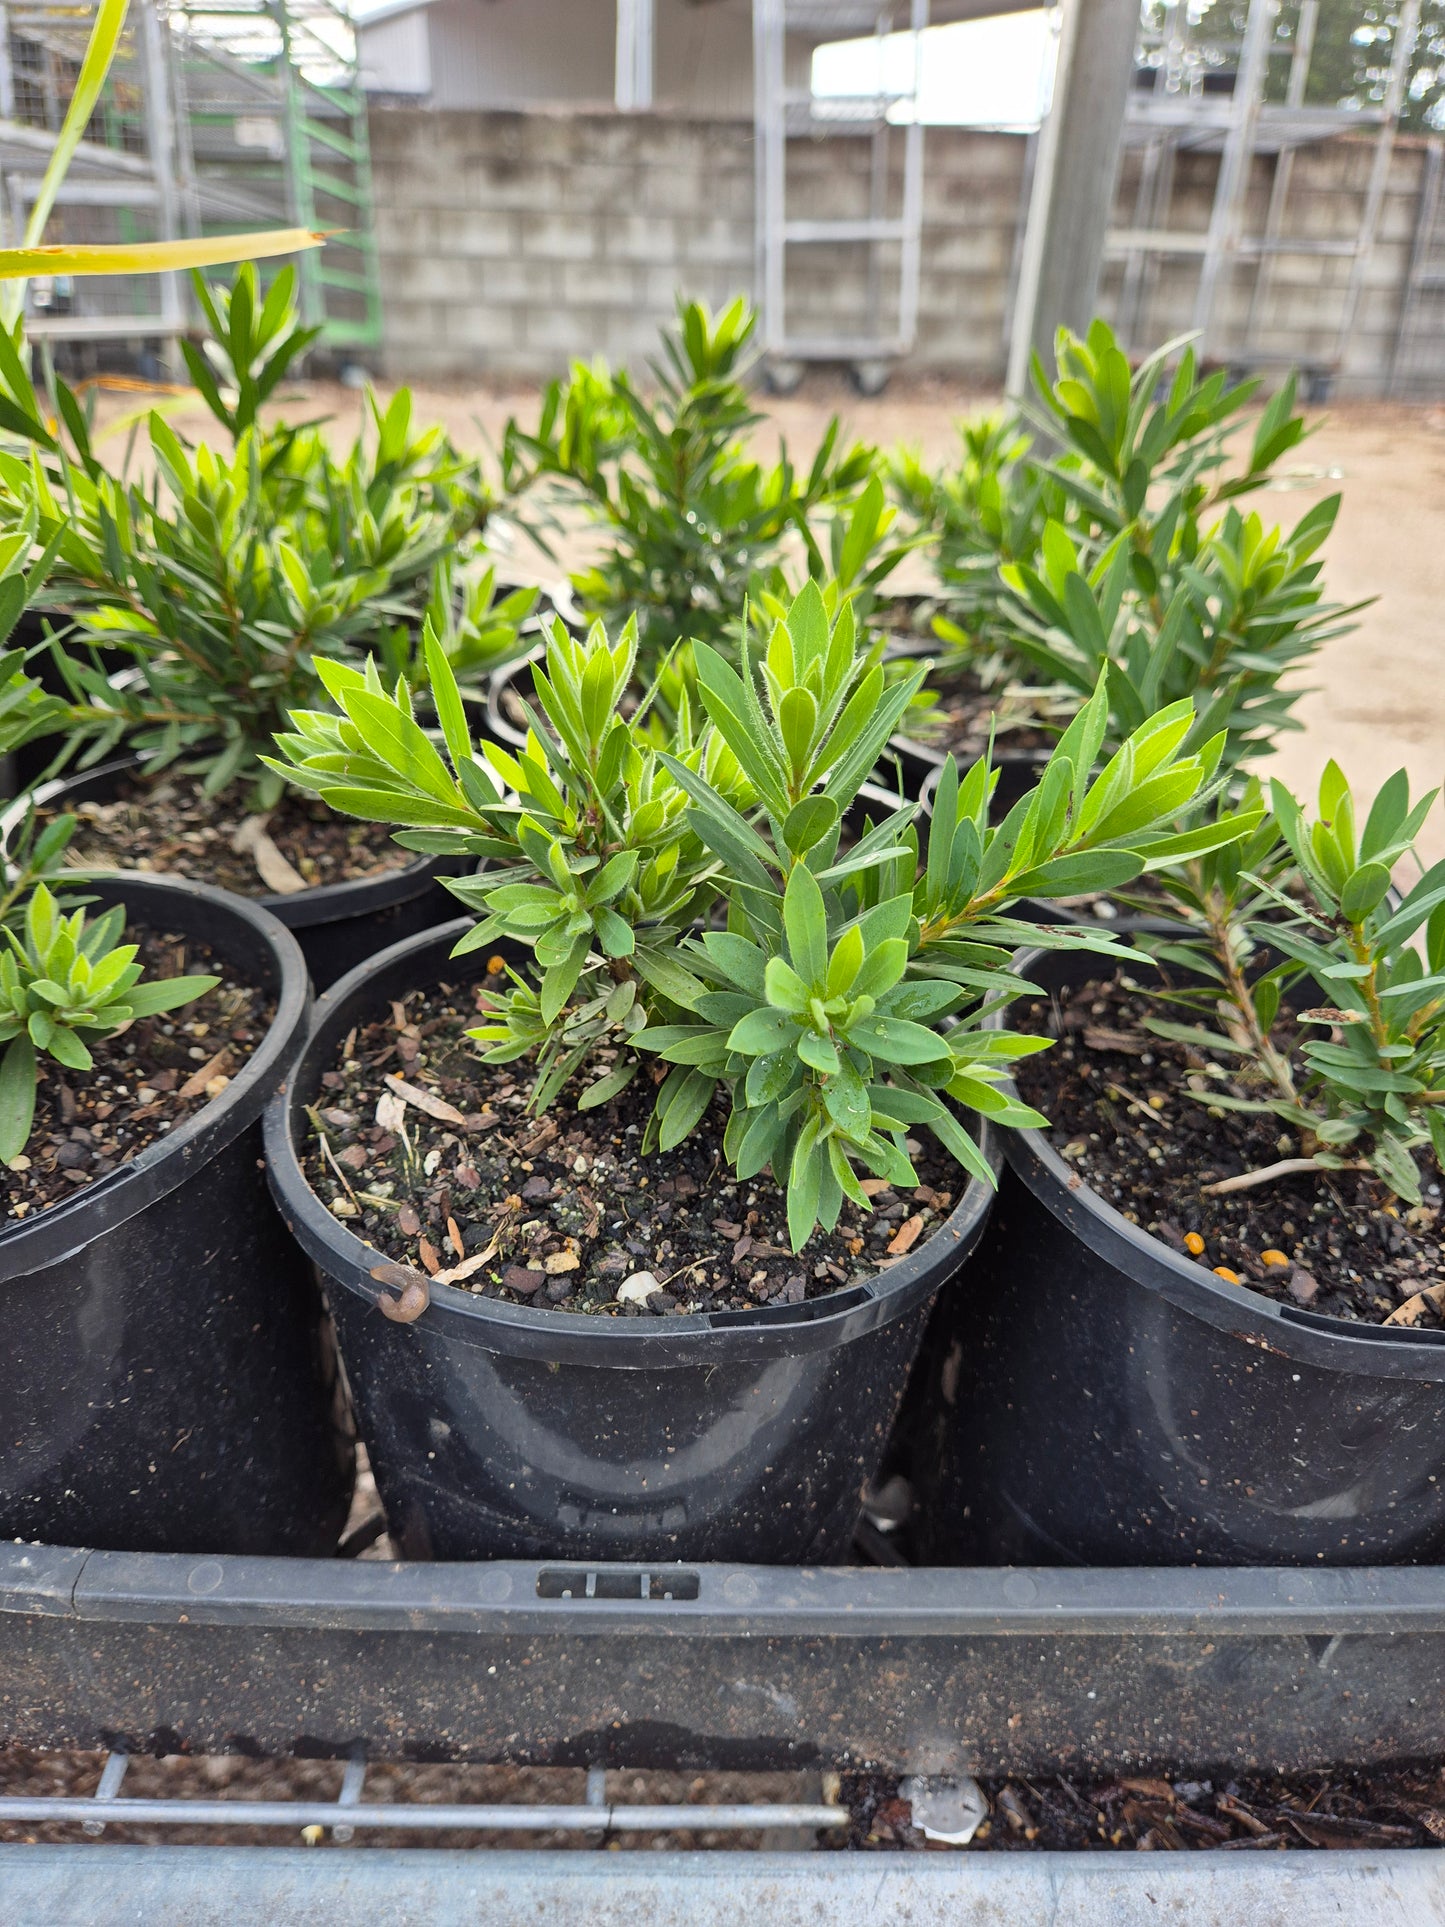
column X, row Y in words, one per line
column 1251, row 1813
column 146, row 1080
column 965, row 711
column 1124, row 1117
column 563, row 1209
column 169, row 825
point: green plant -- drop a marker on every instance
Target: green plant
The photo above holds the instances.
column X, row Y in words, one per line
column 690, row 520
column 1360, row 1074
column 1111, row 543
column 987, row 511
column 218, row 582
column 1225, row 624
column 254, row 340
column 722, row 908
column 1135, row 577
column 63, row 979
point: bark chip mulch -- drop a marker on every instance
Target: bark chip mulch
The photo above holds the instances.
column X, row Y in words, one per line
column 1250, row 1813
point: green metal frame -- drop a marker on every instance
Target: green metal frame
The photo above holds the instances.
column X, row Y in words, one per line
column 313, row 146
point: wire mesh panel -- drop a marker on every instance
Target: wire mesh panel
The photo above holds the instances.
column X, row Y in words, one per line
column 276, row 114
column 121, row 184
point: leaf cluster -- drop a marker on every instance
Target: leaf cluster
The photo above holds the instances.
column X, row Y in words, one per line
column 64, row 979
column 216, row 584
column 1111, row 543
column 1307, row 907
column 721, row 910
column 690, row 520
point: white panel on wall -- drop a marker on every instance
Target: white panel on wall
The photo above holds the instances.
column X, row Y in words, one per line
column 395, row 54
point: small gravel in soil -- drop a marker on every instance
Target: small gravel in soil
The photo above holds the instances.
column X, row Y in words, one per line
column 563, row 1209
column 1142, row 1813
column 169, row 825
column 146, row 1080
column 1122, row 1114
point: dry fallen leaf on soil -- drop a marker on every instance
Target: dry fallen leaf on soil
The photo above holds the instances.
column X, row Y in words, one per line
column 1432, row 1298
column 436, row 1107
column 199, row 1078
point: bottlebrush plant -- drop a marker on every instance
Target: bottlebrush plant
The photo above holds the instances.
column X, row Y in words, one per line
column 218, row 583
column 1113, row 545
column 690, row 521
column 1360, row 1070
column 719, row 907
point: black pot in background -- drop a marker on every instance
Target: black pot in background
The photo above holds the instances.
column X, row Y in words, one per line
column 168, row 1382
column 337, row 925
column 504, row 1431
column 1095, row 1398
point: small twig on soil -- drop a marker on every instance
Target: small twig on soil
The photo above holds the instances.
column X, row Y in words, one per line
column 330, row 1156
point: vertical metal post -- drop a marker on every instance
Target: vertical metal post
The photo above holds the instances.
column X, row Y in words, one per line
column 878, row 184
column 1299, row 67
column 1379, row 172
column 300, row 196
column 633, row 63
column 770, row 161
column 1427, row 215
column 1131, row 292
column 1222, row 243
column 161, row 140
column 7, row 72
column 912, row 246
column 1073, row 185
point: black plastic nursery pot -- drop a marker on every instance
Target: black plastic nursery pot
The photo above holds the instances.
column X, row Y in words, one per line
column 1095, row 1398
column 504, row 1431
column 337, row 925
column 918, row 764
column 168, row 1384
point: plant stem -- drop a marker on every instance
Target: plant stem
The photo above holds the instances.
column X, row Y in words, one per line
column 1221, row 929
column 1287, row 1167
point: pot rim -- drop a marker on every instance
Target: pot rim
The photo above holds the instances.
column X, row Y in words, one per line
column 62, row 1230
column 1318, row 1338
column 561, row 1336
column 318, row 904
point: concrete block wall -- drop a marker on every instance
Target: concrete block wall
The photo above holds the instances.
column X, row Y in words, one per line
column 513, row 242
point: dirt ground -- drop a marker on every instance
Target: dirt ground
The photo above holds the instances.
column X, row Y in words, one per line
column 1377, row 699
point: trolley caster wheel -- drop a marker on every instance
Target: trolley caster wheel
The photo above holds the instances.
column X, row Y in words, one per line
column 870, row 378
column 783, row 377
column 351, row 374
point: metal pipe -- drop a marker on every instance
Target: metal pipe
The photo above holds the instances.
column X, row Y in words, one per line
column 1426, row 214
column 1299, row 68
column 1379, row 172
column 1233, row 181
column 912, row 250
column 633, row 69
column 431, row 1819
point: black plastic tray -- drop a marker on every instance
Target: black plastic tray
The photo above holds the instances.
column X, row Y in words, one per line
column 745, row 1667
